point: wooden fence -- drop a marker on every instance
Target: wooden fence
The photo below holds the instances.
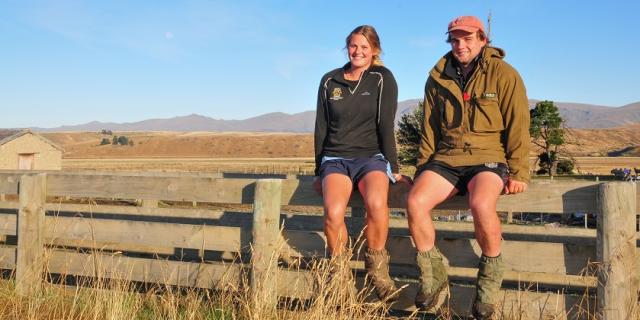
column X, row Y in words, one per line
column 551, row 272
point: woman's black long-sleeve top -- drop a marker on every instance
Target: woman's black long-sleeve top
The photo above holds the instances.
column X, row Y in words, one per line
column 355, row 119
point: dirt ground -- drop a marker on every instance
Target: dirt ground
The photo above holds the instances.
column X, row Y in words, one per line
column 186, row 145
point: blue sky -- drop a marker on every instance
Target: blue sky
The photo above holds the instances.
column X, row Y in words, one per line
column 71, row 62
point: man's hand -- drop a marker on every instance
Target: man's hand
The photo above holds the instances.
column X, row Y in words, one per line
column 515, row 186
column 317, row 185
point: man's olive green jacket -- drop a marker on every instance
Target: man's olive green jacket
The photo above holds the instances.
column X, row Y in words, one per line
column 490, row 123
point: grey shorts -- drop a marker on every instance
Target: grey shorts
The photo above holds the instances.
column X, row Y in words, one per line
column 459, row 177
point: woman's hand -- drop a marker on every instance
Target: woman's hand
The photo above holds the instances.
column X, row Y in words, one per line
column 317, row 185
column 400, row 178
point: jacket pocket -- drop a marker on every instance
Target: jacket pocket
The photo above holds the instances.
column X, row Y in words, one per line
column 487, row 116
column 451, row 116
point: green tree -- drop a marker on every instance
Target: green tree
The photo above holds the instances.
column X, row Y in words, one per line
column 408, row 136
column 123, row 141
column 564, row 166
column 547, row 132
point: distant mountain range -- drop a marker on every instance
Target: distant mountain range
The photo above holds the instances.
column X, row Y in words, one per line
column 576, row 115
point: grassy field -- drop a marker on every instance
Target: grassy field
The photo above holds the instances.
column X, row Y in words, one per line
column 255, row 152
column 244, row 165
column 294, row 165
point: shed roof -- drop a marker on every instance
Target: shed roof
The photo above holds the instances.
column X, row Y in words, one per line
column 9, row 135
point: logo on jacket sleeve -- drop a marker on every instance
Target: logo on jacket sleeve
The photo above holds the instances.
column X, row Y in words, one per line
column 336, row 94
column 489, row 95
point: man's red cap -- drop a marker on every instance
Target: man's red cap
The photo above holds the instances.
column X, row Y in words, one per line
column 466, row 23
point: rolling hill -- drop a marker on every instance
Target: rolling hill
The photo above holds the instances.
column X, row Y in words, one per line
column 576, row 115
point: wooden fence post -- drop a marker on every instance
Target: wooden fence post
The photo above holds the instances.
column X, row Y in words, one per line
column 266, row 238
column 616, row 250
column 30, row 253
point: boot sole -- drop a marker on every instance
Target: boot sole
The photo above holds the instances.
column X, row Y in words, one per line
column 436, row 294
column 478, row 316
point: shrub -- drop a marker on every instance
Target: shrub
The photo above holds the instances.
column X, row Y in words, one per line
column 123, row 140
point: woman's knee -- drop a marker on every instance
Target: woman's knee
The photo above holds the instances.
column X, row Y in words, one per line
column 376, row 204
column 334, row 215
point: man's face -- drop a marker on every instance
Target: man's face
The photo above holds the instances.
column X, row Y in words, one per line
column 465, row 46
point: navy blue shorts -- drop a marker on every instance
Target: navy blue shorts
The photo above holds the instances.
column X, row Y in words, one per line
column 459, row 177
column 355, row 168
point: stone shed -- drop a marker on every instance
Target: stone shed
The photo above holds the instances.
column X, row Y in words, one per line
column 27, row 150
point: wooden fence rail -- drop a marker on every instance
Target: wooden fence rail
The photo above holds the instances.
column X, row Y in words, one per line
column 548, row 269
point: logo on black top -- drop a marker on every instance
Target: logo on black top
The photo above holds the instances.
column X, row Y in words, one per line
column 336, row 94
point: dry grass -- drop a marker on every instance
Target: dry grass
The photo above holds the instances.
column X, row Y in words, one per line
column 102, row 298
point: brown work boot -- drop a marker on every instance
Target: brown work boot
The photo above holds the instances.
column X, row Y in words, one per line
column 433, row 278
column 377, row 264
column 490, row 273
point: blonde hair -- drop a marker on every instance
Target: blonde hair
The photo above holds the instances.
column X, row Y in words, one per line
column 371, row 35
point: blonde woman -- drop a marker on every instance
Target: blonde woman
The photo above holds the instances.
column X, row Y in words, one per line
column 355, row 148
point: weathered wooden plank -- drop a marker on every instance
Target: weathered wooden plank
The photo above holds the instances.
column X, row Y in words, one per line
column 149, row 203
column 616, row 250
column 197, row 174
column 398, row 226
column 29, row 259
column 200, row 237
column 162, row 188
column 514, row 303
column 541, row 196
column 518, row 256
column 576, row 236
column 198, row 275
column 8, row 224
column 7, row 257
column 107, row 247
column 444, row 229
column 141, row 213
column 535, row 279
column 9, row 205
